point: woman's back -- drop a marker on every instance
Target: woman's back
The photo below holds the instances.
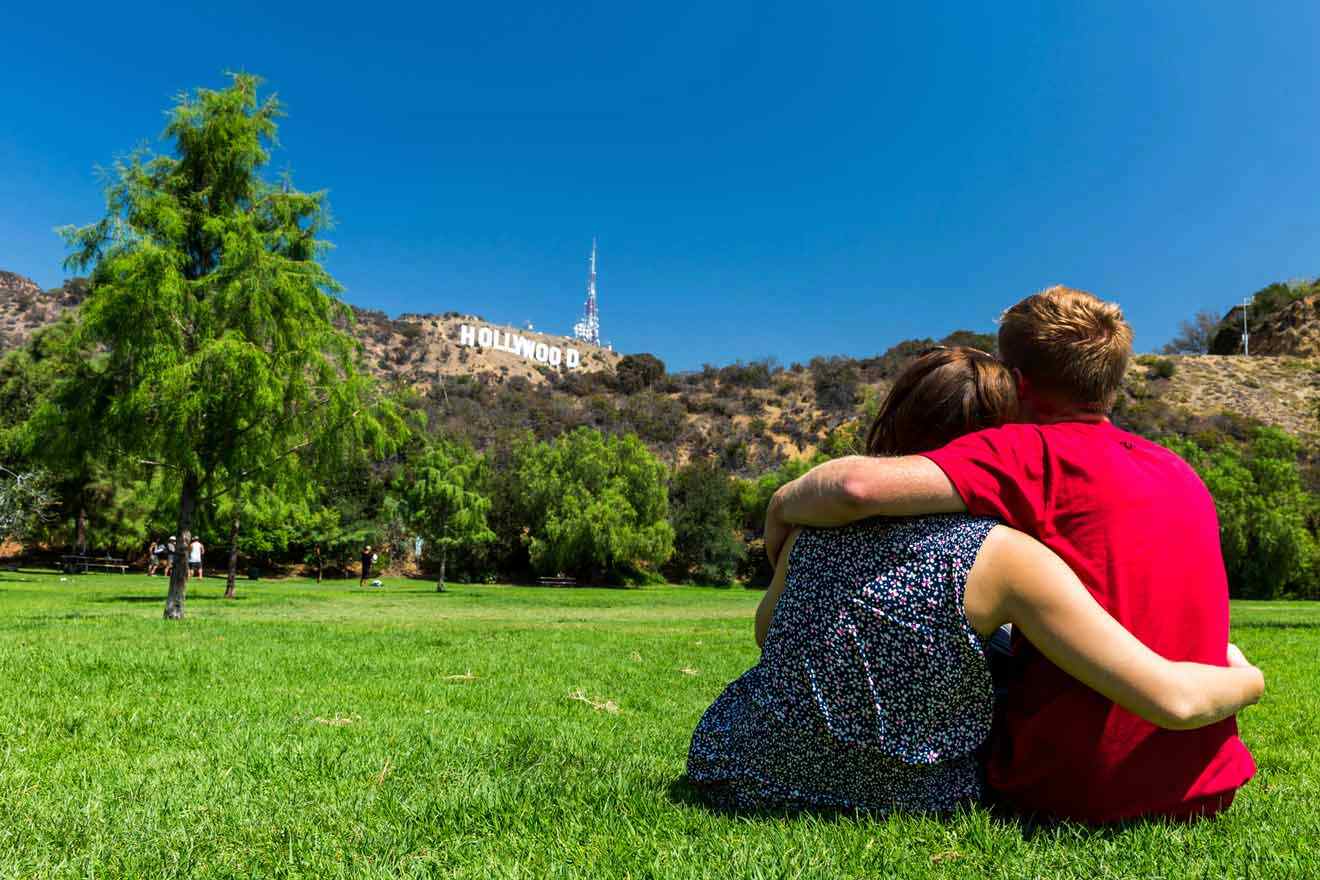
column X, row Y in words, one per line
column 872, row 691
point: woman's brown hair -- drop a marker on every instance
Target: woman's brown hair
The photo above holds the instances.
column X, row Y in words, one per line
column 942, row 395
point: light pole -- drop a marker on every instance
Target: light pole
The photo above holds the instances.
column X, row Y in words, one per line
column 1246, row 335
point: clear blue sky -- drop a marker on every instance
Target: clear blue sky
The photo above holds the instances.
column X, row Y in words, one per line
column 764, row 178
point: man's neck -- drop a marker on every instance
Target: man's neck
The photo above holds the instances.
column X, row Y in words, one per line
column 1094, row 418
column 1041, row 412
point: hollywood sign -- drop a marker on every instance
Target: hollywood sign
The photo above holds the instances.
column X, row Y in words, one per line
column 504, row 340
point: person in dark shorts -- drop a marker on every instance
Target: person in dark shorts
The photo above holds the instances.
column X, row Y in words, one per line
column 155, row 557
column 367, row 559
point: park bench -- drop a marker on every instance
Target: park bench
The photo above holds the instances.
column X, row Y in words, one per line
column 557, row 582
column 73, row 564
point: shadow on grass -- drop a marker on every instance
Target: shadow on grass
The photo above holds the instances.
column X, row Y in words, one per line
column 416, row 591
column 24, row 575
column 1277, row 624
column 716, row 799
column 36, row 621
column 199, row 597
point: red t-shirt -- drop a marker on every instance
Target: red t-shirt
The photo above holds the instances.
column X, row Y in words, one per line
column 1140, row 530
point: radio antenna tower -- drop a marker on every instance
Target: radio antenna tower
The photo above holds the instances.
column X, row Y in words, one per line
column 588, row 329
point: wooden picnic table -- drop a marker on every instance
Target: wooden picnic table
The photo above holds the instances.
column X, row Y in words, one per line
column 72, row 563
column 557, row 582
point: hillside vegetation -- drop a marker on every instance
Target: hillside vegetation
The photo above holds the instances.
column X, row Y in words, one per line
column 750, row 416
column 730, row 435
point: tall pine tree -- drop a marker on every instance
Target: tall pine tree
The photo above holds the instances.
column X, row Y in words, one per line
column 216, row 342
column 440, row 499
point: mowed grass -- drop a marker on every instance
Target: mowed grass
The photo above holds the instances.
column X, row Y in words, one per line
column 305, row 731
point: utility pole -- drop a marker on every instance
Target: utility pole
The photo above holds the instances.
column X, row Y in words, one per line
column 1246, row 334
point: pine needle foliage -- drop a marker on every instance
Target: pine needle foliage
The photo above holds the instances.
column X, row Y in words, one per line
column 220, row 347
column 440, row 499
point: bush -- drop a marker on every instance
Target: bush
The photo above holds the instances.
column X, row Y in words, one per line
column 987, row 342
column 1158, row 367
column 408, row 330
column 1265, row 513
column 591, row 506
column 892, row 362
column 835, row 381
column 740, row 375
column 583, row 384
column 654, row 417
column 752, row 405
column 636, row 372
column 754, row 495
column 754, row 569
column 703, row 509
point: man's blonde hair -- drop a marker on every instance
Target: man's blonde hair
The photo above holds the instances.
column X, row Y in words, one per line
column 1069, row 343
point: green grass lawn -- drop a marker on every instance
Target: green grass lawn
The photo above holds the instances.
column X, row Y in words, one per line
column 305, row 731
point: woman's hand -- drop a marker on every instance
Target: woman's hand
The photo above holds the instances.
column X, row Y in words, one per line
column 1237, row 659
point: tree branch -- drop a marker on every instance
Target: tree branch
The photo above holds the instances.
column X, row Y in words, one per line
column 243, row 475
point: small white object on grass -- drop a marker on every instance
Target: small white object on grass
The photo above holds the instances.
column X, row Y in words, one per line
column 377, row 583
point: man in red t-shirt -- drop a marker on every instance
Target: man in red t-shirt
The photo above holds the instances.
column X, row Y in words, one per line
column 1132, row 520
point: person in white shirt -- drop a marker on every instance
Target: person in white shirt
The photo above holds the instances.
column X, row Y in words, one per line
column 195, row 551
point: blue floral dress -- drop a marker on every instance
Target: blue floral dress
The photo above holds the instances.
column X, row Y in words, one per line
column 873, row 690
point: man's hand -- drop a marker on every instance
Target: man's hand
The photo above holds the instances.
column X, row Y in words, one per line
column 856, row 487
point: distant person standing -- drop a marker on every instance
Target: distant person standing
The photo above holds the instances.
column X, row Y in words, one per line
column 195, row 552
column 153, row 557
column 367, row 559
column 170, row 549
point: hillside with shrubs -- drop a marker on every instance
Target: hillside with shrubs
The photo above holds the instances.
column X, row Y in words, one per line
column 568, row 462
column 748, row 416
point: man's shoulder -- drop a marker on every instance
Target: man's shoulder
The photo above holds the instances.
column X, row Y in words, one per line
column 1105, row 449
column 1103, row 433
column 1014, row 436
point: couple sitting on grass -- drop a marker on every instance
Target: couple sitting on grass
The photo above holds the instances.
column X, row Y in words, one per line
column 996, row 498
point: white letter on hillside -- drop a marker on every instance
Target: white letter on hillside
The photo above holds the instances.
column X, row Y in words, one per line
column 555, row 355
column 466, row 335
column 484, row 337
column 572, row 358
column 542, row 352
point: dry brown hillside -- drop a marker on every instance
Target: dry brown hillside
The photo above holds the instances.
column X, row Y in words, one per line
column 1280, row 391
column 415, row 349
column 411, row 348
column 25, row 307
column 751, row 416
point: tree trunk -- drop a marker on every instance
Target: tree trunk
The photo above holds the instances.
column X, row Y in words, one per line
column 444, row 553
column 233, row 551
column 80, row 535
column 318, row 563
column 179, row 561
